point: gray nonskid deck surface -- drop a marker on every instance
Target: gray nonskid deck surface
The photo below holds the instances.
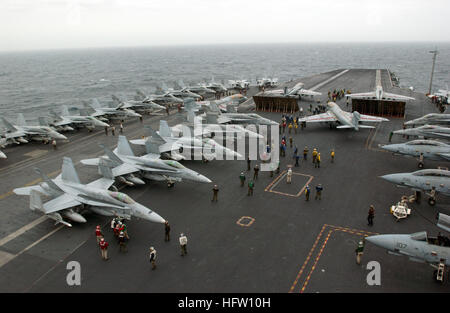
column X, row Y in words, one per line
column 292, row 245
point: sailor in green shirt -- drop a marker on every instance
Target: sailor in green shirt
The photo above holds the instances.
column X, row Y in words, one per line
column 251, row 184
column 242, row 178
column 359, row 251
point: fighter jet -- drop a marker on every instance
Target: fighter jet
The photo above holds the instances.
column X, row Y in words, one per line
column 222, row 104
column 431, row 149
column 217, row 87
column 335, row 115
column 110, row 113
column 430, row 119
column 167, row 143
column 296, row 91
column 162, row 99
column 125, row 164
column 231, row 117
column 423, row 180
column 68, row 192
column 181, row 93
column 199, row 89
column 267, row 82
column 211, row 128
column 426, row 131
column 380, row 95
column 23, row 132
column 65, row 119
column 137, row 105
column 239, row 84
column 419, row 247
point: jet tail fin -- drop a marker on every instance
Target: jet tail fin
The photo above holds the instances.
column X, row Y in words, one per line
column 123, row 147
column 164, row 129
column 36, row 201
column 116, row 99
column 111, row 155
column 104, row 169
column 65, row 110
column 151, row 148
column 141, row 94
column 21, row 120
column 154, row 135
column 68, row 171
column 8, row 125
column 47, row 180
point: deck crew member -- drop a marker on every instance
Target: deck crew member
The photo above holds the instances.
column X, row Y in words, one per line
column 370, row 216
column 152, row 257
column 122, row 243
column 314, row 155
column 305, row 153
column 251, row 185
column 359, row 252
column 289, row 176
column 318, row 161
column 332, row 155
column 166, row 231
column 215, row 192
column 307, row 193
column 242, row 179
column 183, row 244
column 104, row 248
column 319, row 189
column 98, row 234
column 256, row 169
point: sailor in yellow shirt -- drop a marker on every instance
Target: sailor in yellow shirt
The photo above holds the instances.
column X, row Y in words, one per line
column 290, row 127
column 332, row 155
column 314, row 155
column 317, row 164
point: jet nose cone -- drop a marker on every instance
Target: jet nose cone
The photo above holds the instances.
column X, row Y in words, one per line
column 382, row 241
column 393, row 178
column 204, row 179
column 59, row 136
column 391, row 148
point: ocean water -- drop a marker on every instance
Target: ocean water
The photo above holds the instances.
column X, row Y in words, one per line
column 33, row 82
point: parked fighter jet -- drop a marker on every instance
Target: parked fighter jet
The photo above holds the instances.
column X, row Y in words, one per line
column 181, row 93
column 423, row 180
column 296, row 91
column 431, row 149
column 217, row 87
column 430, row 119
column 65, row 119
column 239, row 84
column 222, row 104
column 110, row 113
column 267, row 82
column 167, row 143
column 68, row 192
column 379, row 94
column 419, row 247
column 23, row 132
column 231, row 117
column 426, row 131
column 125, row 164
column 335, row 115
column 162, row 99
column 211, row 128
column 199, row 89
column 137, row 105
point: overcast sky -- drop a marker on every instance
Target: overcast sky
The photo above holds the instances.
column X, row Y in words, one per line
column 50, row 24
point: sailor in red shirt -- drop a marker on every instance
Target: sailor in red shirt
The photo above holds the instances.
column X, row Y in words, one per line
column 104, row 248
column 98, row 234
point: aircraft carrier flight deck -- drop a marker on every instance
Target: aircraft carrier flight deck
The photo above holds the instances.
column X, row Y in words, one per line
column 273, row 241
